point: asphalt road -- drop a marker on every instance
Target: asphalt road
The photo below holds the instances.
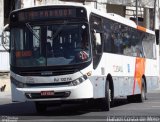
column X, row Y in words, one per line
column 120, row 111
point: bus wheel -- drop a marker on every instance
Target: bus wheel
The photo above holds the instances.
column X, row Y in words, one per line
column 141, row 97
column 40, row 108
column 106, row 101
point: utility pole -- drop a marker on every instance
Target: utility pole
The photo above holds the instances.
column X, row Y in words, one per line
column 156, row 13
column 156, row 20
column 137, row 12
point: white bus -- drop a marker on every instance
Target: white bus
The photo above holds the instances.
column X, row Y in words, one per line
column 65, row 52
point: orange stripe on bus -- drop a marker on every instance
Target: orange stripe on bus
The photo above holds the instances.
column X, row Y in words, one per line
column 141, row 28
column 139, row 71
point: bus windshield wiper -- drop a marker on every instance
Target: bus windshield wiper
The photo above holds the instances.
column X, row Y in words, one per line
column 32, row 31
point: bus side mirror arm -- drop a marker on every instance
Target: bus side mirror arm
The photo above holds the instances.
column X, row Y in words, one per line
column 6, row 27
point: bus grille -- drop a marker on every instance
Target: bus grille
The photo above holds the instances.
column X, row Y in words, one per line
column 47, row 73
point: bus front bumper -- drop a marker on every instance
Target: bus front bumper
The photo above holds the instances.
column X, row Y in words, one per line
column 50, row 93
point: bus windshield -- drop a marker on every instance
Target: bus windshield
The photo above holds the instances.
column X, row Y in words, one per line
column 50, row 45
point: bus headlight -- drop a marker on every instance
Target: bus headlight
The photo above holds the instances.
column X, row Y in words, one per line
column 17, row 83
column 78, row 81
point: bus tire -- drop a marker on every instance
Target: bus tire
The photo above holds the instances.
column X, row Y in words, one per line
column 40, row 108
column 105, row 106
column 141, row 97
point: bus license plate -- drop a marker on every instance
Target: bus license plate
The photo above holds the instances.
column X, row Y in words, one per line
column 47, row 93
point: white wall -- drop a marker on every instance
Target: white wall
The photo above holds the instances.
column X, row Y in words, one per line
column 4, row 62
column 1, row 14
column 4, row 56
column 1, row 19
column 27, row 3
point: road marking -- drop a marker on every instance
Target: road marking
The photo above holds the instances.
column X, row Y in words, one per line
column 152, row 102
column 139, row 108
column 156, row 106
column 67, row 120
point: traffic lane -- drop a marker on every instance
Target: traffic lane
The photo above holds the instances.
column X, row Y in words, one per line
column 151, row 107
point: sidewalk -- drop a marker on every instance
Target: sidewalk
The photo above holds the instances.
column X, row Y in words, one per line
column 5, row 87
column 5, row 83
column 5, row 95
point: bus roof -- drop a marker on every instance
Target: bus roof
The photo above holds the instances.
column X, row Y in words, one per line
column 119, row 19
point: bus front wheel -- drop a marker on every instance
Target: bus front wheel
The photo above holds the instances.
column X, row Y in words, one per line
column 106, row 100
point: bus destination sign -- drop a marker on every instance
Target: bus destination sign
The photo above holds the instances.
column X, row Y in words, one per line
column 46, row 14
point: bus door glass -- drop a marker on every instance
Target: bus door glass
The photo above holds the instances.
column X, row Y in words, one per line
column 96, row 36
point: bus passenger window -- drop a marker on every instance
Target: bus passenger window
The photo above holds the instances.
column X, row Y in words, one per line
column 139, row 52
